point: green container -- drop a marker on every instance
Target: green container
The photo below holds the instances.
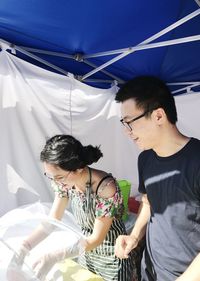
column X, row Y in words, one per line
column 125, row 187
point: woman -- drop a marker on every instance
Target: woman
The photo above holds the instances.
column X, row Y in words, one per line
column 96, row 203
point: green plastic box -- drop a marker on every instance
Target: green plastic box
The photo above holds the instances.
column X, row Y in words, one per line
column 125, row 187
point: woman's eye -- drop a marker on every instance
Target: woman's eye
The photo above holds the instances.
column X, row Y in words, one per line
column 58, row 179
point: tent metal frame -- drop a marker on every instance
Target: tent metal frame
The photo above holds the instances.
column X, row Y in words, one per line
column 121, row 53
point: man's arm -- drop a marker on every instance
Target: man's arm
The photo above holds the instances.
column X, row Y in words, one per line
column 139, row 229
column 125, row 243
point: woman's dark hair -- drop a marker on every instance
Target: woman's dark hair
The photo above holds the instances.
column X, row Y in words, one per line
column 149, row 93
column 68, row 153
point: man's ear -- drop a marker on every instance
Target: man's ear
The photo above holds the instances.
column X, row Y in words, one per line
column 159, row 115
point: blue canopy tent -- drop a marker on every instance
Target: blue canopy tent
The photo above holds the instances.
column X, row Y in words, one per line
column 100, row 43
column 104, row 41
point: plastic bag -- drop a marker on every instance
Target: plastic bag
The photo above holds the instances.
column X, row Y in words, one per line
column 18, row 224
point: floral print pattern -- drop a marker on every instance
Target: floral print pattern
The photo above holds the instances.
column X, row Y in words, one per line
column 110, row 207
column 104, row 207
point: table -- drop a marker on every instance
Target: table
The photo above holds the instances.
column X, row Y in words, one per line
column 72, row 271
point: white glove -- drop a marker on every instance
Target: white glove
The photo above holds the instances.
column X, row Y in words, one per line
column 43, row 265
column 15, row 274
column 19, row 256
column 14, row 270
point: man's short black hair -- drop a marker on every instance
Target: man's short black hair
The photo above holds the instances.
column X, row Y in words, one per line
column 149, row 93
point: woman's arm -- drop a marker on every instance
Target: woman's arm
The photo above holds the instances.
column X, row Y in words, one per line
column 44, row 229
column 102, row 224
column 58, row 207
column 101, row 228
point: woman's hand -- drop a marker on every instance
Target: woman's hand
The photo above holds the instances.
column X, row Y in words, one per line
column 14, row 269
column 44, row 264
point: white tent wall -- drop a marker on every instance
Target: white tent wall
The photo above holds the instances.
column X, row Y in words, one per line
column 188, row 109
column 36, row 104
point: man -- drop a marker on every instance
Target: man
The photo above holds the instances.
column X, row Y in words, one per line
column 169, row 180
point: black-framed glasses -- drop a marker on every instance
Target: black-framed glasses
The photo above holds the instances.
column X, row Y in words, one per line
column 58, row 180
column 127, row 123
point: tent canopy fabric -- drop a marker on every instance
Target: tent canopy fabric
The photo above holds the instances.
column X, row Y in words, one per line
column 105, row 41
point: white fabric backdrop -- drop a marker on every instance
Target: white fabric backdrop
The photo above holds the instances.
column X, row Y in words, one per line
column 36, row 104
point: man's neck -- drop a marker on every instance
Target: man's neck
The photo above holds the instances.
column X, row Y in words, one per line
column 170, row 143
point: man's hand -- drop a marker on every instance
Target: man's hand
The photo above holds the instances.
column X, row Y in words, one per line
column 124, row 244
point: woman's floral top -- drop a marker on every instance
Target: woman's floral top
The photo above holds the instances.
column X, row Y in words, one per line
column 104, row 207
column 89, row 206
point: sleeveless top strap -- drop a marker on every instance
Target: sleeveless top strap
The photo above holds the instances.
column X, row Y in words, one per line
column 90, row 176
column 88, row 190
column 107, row 176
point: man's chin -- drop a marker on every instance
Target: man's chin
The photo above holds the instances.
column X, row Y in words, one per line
column 140, row 145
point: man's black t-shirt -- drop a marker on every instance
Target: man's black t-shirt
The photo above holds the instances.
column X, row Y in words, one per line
column 172, row 185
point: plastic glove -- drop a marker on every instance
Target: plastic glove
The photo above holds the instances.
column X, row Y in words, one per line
column 40, row 233
column 15, row 274
column 43, row 265
column 19, row 256
column 15, row 266
column 14, row 270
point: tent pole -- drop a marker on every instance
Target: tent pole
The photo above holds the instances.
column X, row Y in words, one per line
column 198, row 2
column 21, row 50
column 24, row 51
column 155, row 36
column 39, row 51
column 119, row 80
column 99, row 80
column 186, row 88
column 182, row 83
column 147, row 46
column 50, row 53
column 135, row 48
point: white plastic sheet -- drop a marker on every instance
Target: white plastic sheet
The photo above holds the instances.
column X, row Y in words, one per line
column 17, row 224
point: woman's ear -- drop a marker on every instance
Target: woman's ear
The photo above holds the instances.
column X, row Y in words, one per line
column 78, row 171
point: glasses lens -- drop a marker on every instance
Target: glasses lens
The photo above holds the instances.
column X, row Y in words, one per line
column 50, row 178
column 126, row 125
column 59, row 180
